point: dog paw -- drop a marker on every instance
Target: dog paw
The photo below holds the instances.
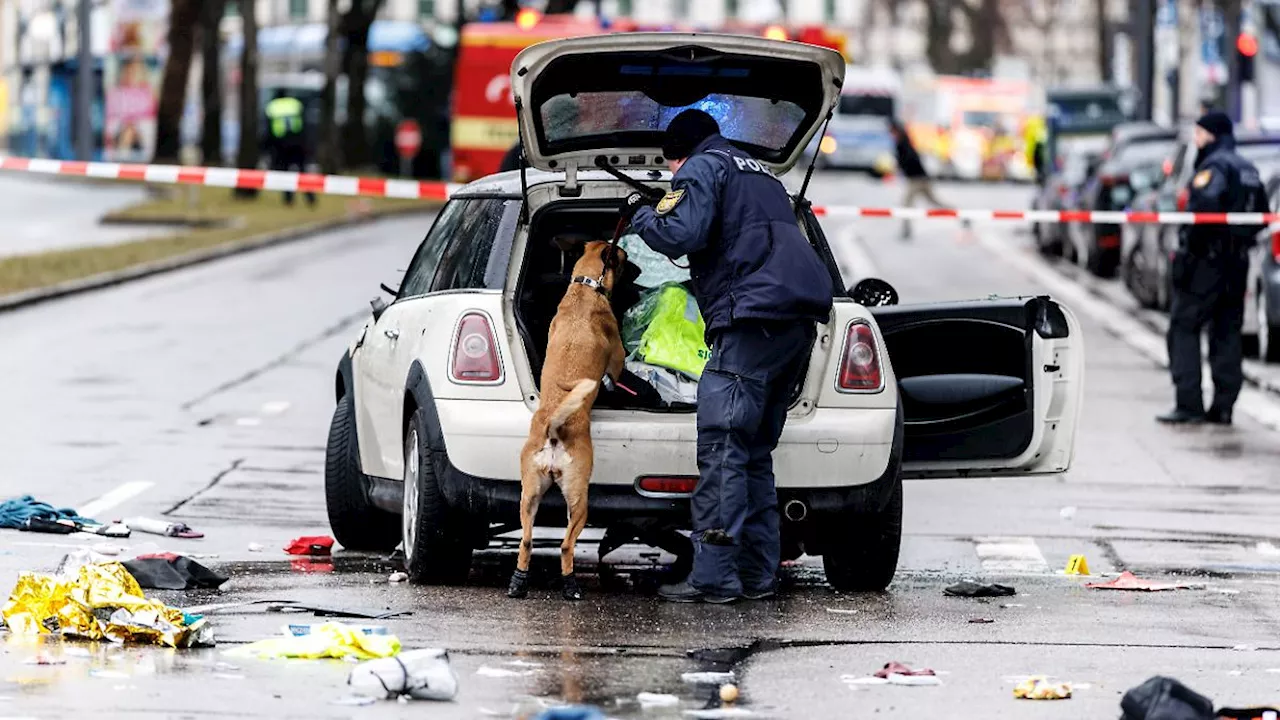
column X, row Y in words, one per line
column 519, row 586
column 570, row 590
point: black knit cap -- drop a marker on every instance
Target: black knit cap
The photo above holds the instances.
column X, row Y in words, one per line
column 1216, row 122
column 685, row 131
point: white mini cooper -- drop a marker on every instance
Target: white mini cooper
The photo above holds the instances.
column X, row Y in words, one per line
column 435, row 395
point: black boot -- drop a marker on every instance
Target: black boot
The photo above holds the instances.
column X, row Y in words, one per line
column 569, row 588
column 1178, row 416
column 1218, row 416
column 519, row 586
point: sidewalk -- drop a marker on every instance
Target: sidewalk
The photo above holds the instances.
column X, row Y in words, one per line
column 43, row 214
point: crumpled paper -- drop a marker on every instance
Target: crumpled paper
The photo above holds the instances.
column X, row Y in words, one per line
column 328, row 640
column 99, row 602
column 1039, row 688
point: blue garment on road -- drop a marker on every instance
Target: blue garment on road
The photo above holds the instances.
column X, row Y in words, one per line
column 14, row 513
column 748, row 258
column 742, row 404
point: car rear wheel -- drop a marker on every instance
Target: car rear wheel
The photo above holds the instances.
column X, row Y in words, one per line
column 436, row 547
column 356, row 523
column 860, row 552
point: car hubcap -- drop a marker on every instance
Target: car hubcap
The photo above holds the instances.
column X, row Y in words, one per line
column 409, row 519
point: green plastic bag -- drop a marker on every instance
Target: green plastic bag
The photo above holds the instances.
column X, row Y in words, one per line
column 666, row 329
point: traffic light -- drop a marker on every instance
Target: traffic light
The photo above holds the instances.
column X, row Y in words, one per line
column 1246, row 48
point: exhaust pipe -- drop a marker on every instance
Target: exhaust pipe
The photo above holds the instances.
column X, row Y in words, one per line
column 795, row 511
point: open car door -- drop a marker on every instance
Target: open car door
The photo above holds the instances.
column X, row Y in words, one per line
column 991, row 387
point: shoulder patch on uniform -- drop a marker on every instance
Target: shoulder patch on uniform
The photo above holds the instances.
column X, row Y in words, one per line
column 1202, row 178
column 668, row 201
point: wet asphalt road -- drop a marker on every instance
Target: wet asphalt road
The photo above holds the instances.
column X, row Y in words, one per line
column 205, row 396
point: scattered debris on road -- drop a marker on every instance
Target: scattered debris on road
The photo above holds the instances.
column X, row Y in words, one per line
column 981, row 621
column 419, row 674
column 162, row 527
column 707, row 678
column 728, row 693
column 1068, row 512
column 1039, row 688
column 493, row 672
column 330, row 640
column 101, row 602
column 398, row 577
column 167, row 571
column 968, row 588
column 1129, row 581
column 1164, row 698
column 842, row 611
column 896, row 673
column 657, row 700
column 325, row 611
column 314, row 545
column 256, row 547
column 16, row 514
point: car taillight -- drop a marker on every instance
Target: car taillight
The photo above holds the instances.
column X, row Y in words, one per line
column 860, row 363
column 668, row 485
column 475, row 352
column 1275, row 244
column 1184, row 197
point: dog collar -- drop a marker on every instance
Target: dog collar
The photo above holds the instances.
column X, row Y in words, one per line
column 591, row 283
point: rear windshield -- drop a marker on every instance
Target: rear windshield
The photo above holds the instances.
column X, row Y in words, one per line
column 1145, row 152
column 879, row 105
column 757, row 121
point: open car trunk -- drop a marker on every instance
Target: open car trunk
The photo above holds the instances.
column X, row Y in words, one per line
column 557, row 235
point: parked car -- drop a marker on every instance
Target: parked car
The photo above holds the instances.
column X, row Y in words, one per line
column 1060, row 192
column 1262, row 299
column 1134, row 148
column 1147, row 247
column 436, row 392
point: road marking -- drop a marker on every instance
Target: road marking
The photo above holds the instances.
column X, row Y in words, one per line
column 275, row 407
column 854, row 260
column 94, row 508
column 1118, row 323
column 248, row 421
column 1010, row 555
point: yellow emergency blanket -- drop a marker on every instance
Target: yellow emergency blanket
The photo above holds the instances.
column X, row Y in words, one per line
column 330, row 640
column 101, row 602
column 1039, row 688
column 671, row 330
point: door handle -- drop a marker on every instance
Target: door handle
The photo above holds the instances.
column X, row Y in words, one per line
column 391, row 333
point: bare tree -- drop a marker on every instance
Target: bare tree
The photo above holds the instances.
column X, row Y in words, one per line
column 355, row 63
column 1103, row 27
column 249, row 151
column 327, row 150
column 183, row 19
column 985, row 23
column 211, row 81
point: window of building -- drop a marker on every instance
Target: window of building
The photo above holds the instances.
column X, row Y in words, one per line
column 731, row 9
column 829, row 10
column 298, row 9
column 427, row 8
column 232, row 8
column 624, row 8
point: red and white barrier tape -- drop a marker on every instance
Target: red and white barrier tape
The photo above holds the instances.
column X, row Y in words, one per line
column 435, row 190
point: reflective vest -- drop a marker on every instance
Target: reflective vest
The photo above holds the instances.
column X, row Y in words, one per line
column 285, row 116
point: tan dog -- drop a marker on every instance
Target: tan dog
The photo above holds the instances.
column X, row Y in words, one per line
column 582, row 346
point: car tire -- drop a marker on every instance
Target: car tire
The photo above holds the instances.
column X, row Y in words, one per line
column 860, row 553
column 355, row 522
column 437, row 550
column 1268, row 332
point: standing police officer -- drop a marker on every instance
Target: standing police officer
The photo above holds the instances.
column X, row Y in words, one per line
column 1209, row 276
column 761, row 287
column 286, row 138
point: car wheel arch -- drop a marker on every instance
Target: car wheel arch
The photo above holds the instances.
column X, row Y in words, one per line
column 418, row 396
column 344, row 379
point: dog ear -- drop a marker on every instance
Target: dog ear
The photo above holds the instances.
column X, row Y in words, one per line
column 630, row 272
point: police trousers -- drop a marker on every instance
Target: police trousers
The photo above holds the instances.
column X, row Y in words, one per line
column 1207, row 293
column 290, row 157
column 743, row 397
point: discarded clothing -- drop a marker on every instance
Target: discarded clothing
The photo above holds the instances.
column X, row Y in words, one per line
column 419, row 674
column 168, row 571
column 1164, row 698
column 973, row 589
column 310, row 545
column 102, row 602
column 673, row 387
column 897, row 668
column 1039, row 688
column 16, row 512
column 330, row 640
column 666, row 329
column 895, row 673
column 1129, row 581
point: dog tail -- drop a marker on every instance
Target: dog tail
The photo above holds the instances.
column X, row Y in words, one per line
column 571, row 404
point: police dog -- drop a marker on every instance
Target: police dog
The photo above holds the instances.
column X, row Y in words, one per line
column 583, row 346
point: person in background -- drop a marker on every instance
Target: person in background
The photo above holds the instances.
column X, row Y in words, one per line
column 1209, row 276
column 912, row 169
column 286, row 143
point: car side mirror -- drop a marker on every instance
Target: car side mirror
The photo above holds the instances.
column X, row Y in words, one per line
column 873, row 292
column 379, row 306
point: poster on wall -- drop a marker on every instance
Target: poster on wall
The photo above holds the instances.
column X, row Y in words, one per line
column 132, row 79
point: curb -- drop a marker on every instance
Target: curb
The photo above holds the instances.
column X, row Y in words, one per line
column 26, row 298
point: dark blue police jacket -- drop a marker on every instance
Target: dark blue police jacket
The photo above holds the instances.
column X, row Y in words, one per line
column 1222, row 175
column 734, row 220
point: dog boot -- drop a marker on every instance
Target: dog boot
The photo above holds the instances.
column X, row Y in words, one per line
column 519, row 586
column 570, row 589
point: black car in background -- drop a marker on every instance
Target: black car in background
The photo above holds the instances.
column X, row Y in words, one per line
column 1147, row 247
column 1262, row 301
column 1136, row 148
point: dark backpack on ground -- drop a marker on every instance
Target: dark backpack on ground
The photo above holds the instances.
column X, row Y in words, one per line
column 1163, row 698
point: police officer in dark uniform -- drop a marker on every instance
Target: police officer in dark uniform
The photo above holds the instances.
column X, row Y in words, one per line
column 1209, row 276
column 761, row 288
